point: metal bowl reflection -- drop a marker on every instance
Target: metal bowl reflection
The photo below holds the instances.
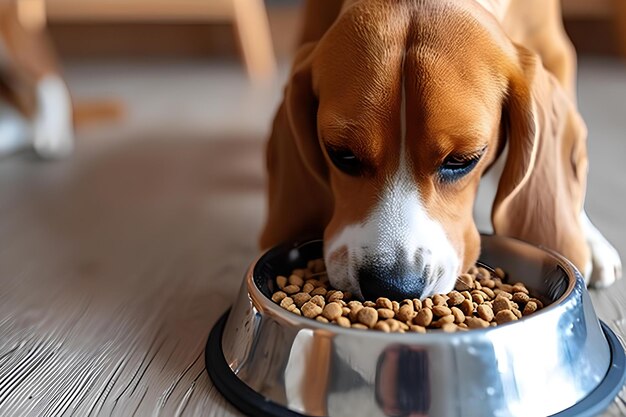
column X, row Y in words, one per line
column 538, row 366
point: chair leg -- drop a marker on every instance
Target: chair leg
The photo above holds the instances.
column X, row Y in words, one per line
column 253, row 32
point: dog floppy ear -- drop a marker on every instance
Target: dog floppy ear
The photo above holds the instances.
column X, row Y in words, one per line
column 541, row 191
column 300, row 199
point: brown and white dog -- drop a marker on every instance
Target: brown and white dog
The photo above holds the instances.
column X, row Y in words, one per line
column 394, row 111
column 35, row 105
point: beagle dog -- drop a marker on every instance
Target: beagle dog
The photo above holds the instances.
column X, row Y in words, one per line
column 35, row 105
column 393, row 112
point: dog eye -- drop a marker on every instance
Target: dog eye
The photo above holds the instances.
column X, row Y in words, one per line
column 345, row 160
column 455, row 167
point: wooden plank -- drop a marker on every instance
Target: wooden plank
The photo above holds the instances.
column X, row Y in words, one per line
column 139, row 10
column 248, row 16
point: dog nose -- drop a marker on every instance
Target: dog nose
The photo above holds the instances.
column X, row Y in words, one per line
column 392, row 281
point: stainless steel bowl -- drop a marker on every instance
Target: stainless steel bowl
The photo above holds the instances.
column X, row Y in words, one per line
column 560, row 361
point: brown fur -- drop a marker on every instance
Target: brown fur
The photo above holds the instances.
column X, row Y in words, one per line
column 478, row 76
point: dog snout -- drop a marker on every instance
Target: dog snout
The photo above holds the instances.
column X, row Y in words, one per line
column 395, row 281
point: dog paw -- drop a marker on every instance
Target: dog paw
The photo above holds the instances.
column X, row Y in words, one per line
column 606, row 266
column 53, row 127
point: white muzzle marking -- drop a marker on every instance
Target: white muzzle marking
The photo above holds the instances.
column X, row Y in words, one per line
column 398, row 231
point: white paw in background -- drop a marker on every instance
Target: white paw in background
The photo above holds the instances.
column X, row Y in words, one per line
column 53, row 126
column 606, row 263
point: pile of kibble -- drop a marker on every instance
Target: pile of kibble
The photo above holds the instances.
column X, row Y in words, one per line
column 480, row 299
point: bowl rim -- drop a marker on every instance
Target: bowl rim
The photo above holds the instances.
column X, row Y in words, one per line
column 263, row 303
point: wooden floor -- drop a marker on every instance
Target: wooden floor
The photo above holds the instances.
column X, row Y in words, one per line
column 114, row 264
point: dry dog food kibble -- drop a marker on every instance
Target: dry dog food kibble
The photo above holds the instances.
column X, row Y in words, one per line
column 480, row 299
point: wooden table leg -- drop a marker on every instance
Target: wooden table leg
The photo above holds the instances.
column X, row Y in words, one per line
column 253, row 31
column 32, row 14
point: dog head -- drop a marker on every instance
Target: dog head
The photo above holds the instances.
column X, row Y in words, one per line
column 396, row 113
